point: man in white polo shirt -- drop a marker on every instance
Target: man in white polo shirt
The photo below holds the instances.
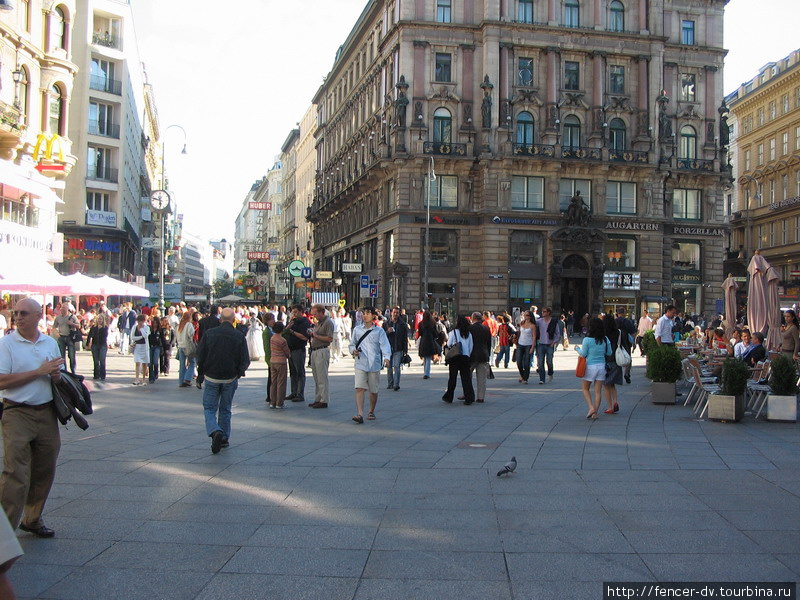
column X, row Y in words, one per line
column 664, row 327
column 29, row 360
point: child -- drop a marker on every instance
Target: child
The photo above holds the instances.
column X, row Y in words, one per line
column 279, row 366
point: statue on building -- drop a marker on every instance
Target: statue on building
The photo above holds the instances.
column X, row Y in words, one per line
column 402, row 101
column 724, row 128
column 486, row 105
column 664, row 120
column 577, row 214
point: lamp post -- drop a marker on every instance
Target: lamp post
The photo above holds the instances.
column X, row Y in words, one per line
column 163, row 265
column 431, row 177
column 16, row 74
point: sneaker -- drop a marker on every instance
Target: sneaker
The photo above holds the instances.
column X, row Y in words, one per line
column 628, row 379
column 216, row 441
column 541, row 382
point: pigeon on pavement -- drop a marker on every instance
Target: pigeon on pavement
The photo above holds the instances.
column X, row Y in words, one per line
column 508, row 467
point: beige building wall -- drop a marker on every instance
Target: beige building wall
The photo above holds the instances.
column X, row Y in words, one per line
column 305, row 177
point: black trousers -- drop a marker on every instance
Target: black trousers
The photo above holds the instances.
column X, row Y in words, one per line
column 460, row 365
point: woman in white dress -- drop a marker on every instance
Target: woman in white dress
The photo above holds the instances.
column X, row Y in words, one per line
column 141, row 349
column 255, row 341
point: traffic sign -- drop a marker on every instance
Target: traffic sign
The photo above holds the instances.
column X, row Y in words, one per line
column 305, row 272
column 295, row 268
column 365, row 281
column 373, row 290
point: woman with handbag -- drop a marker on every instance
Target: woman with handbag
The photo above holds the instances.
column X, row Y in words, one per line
column 429, row 346
column 187, row 349
column 459, row 344
column 594, row 350
column 613, row 370
column 526, row 339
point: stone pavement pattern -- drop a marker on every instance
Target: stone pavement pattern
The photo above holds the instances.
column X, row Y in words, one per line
column 305, row 504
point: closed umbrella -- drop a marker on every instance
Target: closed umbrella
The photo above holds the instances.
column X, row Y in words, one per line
column 774, row 337
column 729, row 287
column 761, row 308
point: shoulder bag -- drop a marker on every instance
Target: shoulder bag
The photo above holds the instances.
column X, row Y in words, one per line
column 453, row 351
column 621, row 356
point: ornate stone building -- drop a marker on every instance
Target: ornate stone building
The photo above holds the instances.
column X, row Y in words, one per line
column 499, row 153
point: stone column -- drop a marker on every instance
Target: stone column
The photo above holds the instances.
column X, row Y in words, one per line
column 551, row 12
column 504, row 92
column 642, row 15
column 468, row 87
column 598, row 14
column 597, row 103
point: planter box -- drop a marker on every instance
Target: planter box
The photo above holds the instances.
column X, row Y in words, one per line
column 725, row 408
column 663, row 393
column 782, row 408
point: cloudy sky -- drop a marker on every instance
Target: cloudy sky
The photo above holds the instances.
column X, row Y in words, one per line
column 238, row 80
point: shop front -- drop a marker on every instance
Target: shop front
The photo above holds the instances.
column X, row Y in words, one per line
column 687, row 276
column 621, row 291
column 91, row 257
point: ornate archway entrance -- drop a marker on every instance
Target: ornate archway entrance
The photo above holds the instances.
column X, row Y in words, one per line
column 575, row 276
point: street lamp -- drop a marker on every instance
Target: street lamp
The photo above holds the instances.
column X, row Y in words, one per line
column 164, row 214
column 431, row 177
column 16, row 74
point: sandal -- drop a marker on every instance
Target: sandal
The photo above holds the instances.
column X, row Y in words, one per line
column 616, row 407
column 359, row 419
column 371, row 416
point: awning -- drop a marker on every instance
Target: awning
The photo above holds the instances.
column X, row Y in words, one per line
column 33, row 184
column 33, row 277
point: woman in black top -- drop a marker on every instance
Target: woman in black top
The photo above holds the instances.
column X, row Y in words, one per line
column 154, row 341
column 429, row 345
column 613, row 371
column 97, row 340
column 167, row 342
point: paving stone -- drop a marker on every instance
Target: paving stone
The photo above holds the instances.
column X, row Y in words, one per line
column 226, row 586
column 95, row 583
column 164, row 557
column 431, row 589
column 298, row 561
column 576, row 567
column 413, row 564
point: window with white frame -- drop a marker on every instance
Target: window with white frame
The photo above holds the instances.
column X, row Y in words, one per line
column 444, row 191
column 567, row 188
column 773, row 111
column 785, row 103
column 442, row 126
column 686, row 204
column 760, row 117
column 688, row 143
column 525, row 11
column 771, row 191
column 785, row 231
column 785, row 186
column 617, row 135
column 747, row 160
column 797, row 138
column 797, row 185
column 760, row 154
column 524, row 128
column 98, row 201
column 527, row 193
column 620, row 198
column 443, row 11
column 797, row 229
column 785, row 143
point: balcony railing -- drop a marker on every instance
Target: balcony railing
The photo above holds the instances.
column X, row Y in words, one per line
column 631, row 156
column 581, row 153
column 107, row 40
column 10, row 117
column 105, row 84
column 102, row 174
column 545, row 150
column 696, row 164
column 444, row 148
column 97, row 128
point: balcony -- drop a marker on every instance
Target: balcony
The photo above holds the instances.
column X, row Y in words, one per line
column 105, row 84
column 98, row 173
column 581, row 152
column 97, row 128
column 629, row 156
column 107, row 40
column 444, row 149
column 11, row 127
column 544, row 150
column 696, row 164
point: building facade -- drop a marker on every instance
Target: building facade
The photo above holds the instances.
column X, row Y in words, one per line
column 290, row 250
column 108, row 204
column 498, row 153
column 37, row 73
column 766, row 214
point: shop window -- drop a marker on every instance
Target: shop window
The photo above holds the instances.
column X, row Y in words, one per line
column 527, row 248
column 567, row 188
column 686, row 204
column 443, row 247
column 444, row 191
column 524, row 129
column 17, row 206
column 686, row 256
column 620, row 253
column 524, row 292
column 620, row 198
column 527, row 193
column 616, row 16
column 525, row 11
column 443, row 67
column 525, row 71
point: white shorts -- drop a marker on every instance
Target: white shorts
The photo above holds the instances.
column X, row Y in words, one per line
column 367, row 380
column 595, row 372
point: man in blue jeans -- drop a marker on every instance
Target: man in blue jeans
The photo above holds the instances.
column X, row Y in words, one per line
column 547, row 328
column 222, row 358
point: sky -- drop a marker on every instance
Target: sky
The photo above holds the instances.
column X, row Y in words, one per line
column 239, row 80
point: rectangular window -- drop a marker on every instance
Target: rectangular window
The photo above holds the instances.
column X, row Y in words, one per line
column 772, row 149
column 785, row 103
column 572, row 16
column 98, row 201
column 760, row 117
column 444, row 191
column 785, row 143
column 785, row 186
column 747, row 160
column 797, row 138
column 772, row 230
column 685, row 256
column 687, row 32
column 772, row 111
column 527, row 248
column 571, row 75
column 760, row 154
column 568, row 188
column 797, row 186
column 621, row 198
column 771, row 191
column 620, row 253
column 688, row 87
column 525, row 71
column 527, row 193
column 101, row 119
column 525, row 291
column 760, row 193
column 785, row 231
column 444, row 247
column 443, row 9
column 25, row 15
column 617, row 83
column 797, row 229
column 686, row 204
column 443, row 62
column 525, row 11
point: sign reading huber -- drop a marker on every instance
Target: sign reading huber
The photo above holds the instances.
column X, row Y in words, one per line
column 260, row 206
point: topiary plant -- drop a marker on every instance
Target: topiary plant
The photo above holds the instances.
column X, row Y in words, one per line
column 783, row 376
column 649, row 341
column 664, row 364
column 734, row 377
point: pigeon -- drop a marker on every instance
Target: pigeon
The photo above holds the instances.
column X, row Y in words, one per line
column 508, row 467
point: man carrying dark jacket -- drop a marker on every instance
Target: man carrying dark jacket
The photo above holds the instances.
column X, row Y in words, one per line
column 481, row 351
column 222, row 358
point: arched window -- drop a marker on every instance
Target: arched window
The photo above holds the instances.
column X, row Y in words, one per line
column 617, row 139
column 688, row 148
column 58, row 29
column 572, row 132
column 616, row 16
column 525, row 128
column 572, row 13
column 56, row 110
column 442, row 126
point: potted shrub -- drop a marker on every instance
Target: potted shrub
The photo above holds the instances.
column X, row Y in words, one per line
column 782, row 400
column 728, row 403
column 649, row 341
column 663, row 369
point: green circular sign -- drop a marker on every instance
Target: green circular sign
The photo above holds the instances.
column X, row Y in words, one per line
column 296, row 268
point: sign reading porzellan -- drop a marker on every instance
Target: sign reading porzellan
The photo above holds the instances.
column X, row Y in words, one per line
column 681, row 230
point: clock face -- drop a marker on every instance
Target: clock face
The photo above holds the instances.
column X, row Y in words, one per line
column 159, row 200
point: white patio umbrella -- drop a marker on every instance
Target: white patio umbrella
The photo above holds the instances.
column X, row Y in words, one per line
column 33, row 278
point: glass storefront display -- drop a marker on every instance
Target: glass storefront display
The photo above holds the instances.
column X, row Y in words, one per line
column 91, row 256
